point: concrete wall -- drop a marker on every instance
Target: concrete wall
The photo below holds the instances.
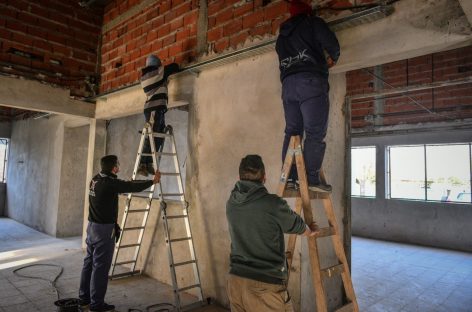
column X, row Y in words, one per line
column 35, row 169
column 71, row 194
column 438, row 224
column 5, row 129
column 235, row 110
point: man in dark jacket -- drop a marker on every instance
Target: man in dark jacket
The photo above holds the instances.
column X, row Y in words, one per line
column 154, row 80
column 301, row 46
column 103, row 213
column 257, row 222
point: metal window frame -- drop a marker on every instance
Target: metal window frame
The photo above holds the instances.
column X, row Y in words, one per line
column 375, row 169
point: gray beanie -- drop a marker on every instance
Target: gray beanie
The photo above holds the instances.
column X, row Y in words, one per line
column 153, row 60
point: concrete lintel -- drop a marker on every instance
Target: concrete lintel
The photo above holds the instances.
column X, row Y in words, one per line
column 467, row 8
column 35, row 96
column 415, row 28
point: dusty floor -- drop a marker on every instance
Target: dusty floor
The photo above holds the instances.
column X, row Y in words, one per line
column 21, row 246
column 386, row 276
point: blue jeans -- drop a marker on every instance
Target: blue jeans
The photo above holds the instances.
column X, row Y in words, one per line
column 158, row 126
column 306, row 106
column 94, row 279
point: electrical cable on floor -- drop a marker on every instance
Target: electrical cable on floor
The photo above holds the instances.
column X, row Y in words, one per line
column 53, row 282
column 165, row 307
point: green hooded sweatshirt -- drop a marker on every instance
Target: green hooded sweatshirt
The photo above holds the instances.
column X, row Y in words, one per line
column 257, row 223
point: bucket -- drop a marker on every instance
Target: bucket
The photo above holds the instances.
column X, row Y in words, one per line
column 67, row 305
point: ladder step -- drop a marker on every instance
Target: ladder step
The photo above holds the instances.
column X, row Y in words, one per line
column 134, row 228
column 161, row 135
column 125, row 274
column 172, row 194
column 159, row 154
column 179, row 239
column 347, row 308
column 138, row 210
column 128, row 246
column 327, row 231
column 125, row 262
column 331, row 271
column 170, row 173
column 177, row 216
column 188, row 287
column 184, row 263
column 290, row 193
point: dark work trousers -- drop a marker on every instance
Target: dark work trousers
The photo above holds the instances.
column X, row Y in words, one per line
column 306, row 107
column 94, row 279
column 158, row 126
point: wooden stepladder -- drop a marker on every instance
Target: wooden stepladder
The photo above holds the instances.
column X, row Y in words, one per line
column 303, row 201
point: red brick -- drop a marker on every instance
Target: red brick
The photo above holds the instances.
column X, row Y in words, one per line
column 168, row 40
column 131, row 46
column 243, row 9
column 158, row 22
column 221, row 45
column 163, row 54
column 22, row 39
column 176, row 23
column 146, row 49
column 211, row 22
column 156, row 45
column 5, row 33
column 191, row 18
column 261, row 29
column 275, row 10
column 151, row 36
column 184, row 8
column 175, row 3
column 215, row 7
column 215, row 34
column 252, row 19
column 234, row 41
column 189, row 44
column 42, row 45
column 16, row 59
column 163, row 31
column 175, row 49
column 164, row 7
column 223, row 17
column 26, row 18
column 16, row 26
column 182, row 34
column 233, row 27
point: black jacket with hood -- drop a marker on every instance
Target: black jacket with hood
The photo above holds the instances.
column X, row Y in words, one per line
column 301, row 44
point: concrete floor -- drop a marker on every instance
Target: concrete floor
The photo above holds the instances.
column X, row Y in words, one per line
column 397, row 277
column 387, row 276
column 21, row 246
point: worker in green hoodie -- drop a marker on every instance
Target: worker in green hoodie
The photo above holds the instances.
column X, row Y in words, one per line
column 257, row 222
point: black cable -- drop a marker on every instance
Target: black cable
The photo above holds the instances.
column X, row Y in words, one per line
column 53, row 282
column 166, row 307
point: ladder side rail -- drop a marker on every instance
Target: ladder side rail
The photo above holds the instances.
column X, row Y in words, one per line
column 128, row 199
column 150, row 197
column 171, row 257
column 188, row 229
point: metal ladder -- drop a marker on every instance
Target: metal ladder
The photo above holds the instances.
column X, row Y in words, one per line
column 178, row 198
column 303, row 197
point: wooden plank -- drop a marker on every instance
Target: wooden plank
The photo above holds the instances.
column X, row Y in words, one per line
column 332, row 271
column 292, row 238
column 286, row 167
column 346, row 308
column 327, row 231
column 291, row 193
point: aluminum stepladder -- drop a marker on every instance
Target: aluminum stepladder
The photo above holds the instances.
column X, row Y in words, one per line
column 303, row 202
column 176, row 198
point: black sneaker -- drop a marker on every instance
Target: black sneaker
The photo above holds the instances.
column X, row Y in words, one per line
column 104, row 308
column 84, row 304
column 321, row 187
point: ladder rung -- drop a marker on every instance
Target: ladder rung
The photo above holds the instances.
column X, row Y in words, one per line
column 179, row 239
column 128, row 246
column 161, row 135
column 125, row 274
column 188, row 287
column 176, row 217
column 184, row 263
column 125, row 262
column 289, row 193
column 170, row 173
column 346, row 308
column 146, row 154
column 331, row 271
column 138, row 210
column 327, row 231
column 165, row 154
column 172, row 194
column 134, row 228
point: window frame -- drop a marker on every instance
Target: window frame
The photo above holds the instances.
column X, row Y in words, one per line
column 375, row 170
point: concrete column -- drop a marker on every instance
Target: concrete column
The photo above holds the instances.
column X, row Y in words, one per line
column 96, row 150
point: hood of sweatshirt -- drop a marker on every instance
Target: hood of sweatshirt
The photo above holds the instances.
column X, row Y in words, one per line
column 246, row 191
column 291, row 24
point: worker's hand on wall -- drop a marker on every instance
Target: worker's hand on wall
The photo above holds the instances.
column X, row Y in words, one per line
column 157, row 177
column 330, row 62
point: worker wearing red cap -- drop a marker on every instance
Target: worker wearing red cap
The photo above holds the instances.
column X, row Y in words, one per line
column 303, row 42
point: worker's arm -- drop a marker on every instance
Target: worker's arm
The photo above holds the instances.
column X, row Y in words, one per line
column 289, row 221
column 327, row 39
column 170, row 69
column 122, row 186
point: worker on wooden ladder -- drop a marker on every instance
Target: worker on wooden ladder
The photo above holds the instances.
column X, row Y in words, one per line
column 154, row 80
column 257, row 222
column 301, row 45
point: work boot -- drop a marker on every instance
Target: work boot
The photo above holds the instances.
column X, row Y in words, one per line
column 104, row 308
column 84, row 305
column 320, row 187
column 292, row 184
column 150, row 169
column 142, row 170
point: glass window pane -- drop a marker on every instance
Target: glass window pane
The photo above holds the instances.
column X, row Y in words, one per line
column 363, row 171
column 448, row 172
column 407, row 172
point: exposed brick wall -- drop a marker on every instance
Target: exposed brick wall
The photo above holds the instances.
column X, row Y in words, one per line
column 51, row 40
column 167, row 28
column 452, row 102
